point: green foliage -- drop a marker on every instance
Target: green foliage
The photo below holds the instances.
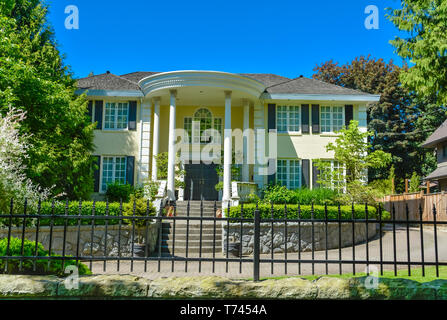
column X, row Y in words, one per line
column 415, row 182
column 29, row 249
column 354, row 154
column 162, row 169
column 117, row 191
column 395, row 121
column 33, row 78
column 305, row 212
column 358, row 192
column 425, row 44
column 278, row 194
column 253, row 198
column 72, row 209
column 150, row 190
column 139, row 207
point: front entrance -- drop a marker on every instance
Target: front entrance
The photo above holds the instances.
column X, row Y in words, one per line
column 200, row 182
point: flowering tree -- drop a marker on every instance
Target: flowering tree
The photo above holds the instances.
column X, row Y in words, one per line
column 13, row 182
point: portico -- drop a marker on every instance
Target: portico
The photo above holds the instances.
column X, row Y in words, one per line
column 217, row 103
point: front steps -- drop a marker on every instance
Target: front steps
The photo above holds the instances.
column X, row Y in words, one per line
column 211, row 234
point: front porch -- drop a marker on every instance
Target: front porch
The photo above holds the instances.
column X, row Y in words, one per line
column 195, row 117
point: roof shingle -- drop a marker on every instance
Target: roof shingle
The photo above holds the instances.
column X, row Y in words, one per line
column 439, row 135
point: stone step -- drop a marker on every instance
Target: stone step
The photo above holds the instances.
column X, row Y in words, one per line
column 177, row 250
column 195, row 236
column 192, row 243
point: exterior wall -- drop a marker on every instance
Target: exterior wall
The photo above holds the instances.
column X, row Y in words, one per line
column 118, row 142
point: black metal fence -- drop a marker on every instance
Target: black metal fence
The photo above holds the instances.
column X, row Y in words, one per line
column 199, row 236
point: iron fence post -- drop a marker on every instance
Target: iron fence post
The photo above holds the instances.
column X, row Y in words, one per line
column 256, row 245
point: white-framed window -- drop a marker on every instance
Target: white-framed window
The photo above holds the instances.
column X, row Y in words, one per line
column 288, row 118
column 113, row 170
column 332, row 118
column 335, row 175
column 116, row 115
column 288, row 173
column 201, row 125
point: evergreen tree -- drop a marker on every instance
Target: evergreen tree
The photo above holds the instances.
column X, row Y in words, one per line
column 33, row 78
column 392, row 121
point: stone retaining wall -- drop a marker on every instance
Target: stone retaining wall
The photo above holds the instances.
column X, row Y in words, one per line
column 293, row 236
column 85, row 244
column 126, row 286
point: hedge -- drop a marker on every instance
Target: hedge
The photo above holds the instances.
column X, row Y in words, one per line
column 73, row 209
column 306, row 212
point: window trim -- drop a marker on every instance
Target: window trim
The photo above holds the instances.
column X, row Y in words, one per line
column 331, row 132
column 212, row 127
column 300, row 184
column 116, row 116
column 288, row 119
column 101, row 190
column 332, row 169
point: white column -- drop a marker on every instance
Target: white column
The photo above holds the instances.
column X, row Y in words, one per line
column 171, row 147
column 245, row 167
column 155, row 146
column 227, row 151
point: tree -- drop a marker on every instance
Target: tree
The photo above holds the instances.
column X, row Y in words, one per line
column 353, row 152
column 394, row 120
column 13, row 182
column 425, row 22
column 34, row 78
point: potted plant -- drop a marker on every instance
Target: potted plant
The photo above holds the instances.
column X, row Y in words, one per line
column 139, row 207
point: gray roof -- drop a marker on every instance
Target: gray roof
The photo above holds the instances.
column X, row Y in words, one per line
column 304, row 85
column 439, row 173
column 267, row 79
column 274, row 83
column 107, row 81
column 438, row 136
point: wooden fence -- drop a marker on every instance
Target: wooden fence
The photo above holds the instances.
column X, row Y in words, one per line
column 414, row 200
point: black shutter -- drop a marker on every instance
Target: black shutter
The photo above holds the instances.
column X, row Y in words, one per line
column 271, row 178
column 305, row 173
column 90, row 110
column 349, row 114
column 272, row 116
column 130, row 170
column 132, row 121
column 98, row 113
column 315, row 118
column 315, row 173
column 305, row 118
column 96, row 173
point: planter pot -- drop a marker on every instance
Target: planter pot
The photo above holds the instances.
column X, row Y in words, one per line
column 234, row 249
column 139, row 250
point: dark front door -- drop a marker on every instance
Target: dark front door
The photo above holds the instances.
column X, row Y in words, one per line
column 200, row 182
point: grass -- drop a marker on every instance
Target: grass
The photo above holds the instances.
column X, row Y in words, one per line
column 416, row 275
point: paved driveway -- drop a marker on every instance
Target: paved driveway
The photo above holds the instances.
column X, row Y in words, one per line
column 236, row 270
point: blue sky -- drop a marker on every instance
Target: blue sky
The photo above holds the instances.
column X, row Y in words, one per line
column 285, row 37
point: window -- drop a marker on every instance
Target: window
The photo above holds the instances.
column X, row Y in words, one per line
column 333, row 175
column 116, row 114
column 199, row 126
column 332, row 118
column 113, row 170
column 288, row 119
column 288, row 173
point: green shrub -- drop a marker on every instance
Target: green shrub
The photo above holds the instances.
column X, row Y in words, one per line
column 117, row 191
column 142, row 209
column 304, row 212
column 278, row 194
column 29, row 249
column 73, row 210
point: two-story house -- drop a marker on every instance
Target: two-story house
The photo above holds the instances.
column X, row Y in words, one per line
column 272, row 126
column 438, row 140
